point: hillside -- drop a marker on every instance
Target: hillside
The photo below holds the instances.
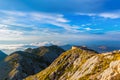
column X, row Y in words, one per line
column 2, row 55
column 21, row 64
column 81, row 64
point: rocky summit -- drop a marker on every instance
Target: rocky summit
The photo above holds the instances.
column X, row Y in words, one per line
column 82, row 64
column 21, row 64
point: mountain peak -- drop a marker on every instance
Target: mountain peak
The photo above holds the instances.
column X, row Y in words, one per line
column 83, row 48
column 45, row 49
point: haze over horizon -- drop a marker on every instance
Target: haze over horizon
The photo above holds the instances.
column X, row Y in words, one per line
column 28, row 23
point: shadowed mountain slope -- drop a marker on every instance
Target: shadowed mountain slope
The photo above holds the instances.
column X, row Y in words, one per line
column 21, row 64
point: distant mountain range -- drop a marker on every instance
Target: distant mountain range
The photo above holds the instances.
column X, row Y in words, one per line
column 98, row 48
column 2, row 55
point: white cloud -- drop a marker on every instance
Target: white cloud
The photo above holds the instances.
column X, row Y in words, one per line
column 87, row 14
column 15, row 18
column 44, row 17
column 30, row 45
column 89, row 29
column 110, row 15
column 59, row 40
column 15, row 13
column 6, row 34
column 9, row 48
column 55, row 19
column 67, row 27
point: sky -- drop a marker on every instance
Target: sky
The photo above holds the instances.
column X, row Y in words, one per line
column 33, row 23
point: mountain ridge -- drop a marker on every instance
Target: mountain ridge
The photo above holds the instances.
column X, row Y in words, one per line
column 54, row 63
column 21, row 64
column 79, row 64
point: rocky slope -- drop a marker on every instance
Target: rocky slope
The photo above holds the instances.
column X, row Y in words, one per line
column 21, row 64
column 82, row 64
column 2, row 55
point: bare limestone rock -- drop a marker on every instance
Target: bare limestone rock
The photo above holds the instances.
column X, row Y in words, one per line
column 111, row 73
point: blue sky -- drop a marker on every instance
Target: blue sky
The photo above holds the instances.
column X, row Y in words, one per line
column 39, row 22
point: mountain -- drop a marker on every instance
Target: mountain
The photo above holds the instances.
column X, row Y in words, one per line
column 82, row 64
column 48, row 53
column 21, row 64
column 2, row 55
column 104, row 48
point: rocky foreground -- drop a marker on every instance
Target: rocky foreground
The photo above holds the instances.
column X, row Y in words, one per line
column 82, row 64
